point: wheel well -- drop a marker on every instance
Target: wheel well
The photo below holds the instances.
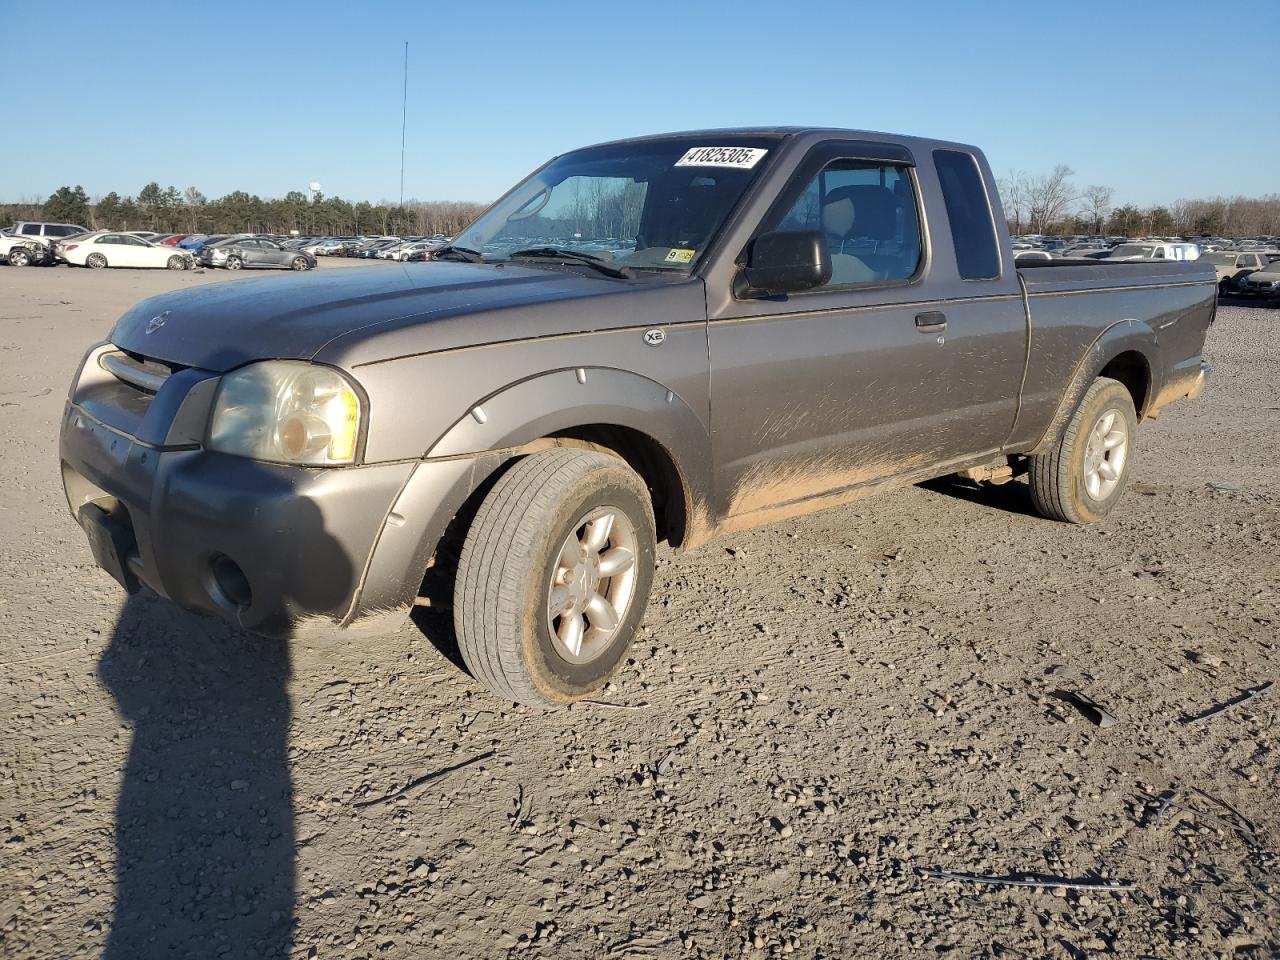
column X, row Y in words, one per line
column 641, row 452
column 646, row 457
column 1131, row 369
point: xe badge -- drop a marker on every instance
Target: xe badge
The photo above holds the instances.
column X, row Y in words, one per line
column 156, row 322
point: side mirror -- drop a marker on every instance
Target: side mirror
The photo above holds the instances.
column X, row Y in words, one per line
column 787, row 262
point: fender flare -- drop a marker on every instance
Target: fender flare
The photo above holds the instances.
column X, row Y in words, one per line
column 540, row 405
column 507, row 424
column 1123, row 336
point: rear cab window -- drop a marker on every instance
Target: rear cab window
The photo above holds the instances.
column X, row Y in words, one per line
column 973, row 231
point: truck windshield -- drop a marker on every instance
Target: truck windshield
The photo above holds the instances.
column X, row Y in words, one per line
column 654, row 205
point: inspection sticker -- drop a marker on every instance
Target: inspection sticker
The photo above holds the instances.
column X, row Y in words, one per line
column 677, row 255
column 740, row 158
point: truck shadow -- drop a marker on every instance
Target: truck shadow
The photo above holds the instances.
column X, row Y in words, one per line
column 205, row 838
column 1012, row 497
column 204, row 825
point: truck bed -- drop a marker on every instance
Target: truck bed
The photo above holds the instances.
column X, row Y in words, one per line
column 1042, row 276
column 1070, row 304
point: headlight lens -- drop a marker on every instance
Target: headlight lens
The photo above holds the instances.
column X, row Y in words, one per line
column 286, row 411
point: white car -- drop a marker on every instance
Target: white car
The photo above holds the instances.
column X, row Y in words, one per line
column 107, row 249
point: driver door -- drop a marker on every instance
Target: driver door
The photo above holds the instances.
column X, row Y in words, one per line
column 870, row 376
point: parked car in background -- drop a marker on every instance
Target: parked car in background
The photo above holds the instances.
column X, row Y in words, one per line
column 370, row 249
column 325, row 248
column 1233, row 267
column 104, row 248
column 1263, row 283
column 406, row 252
column 18, row 251
column 46, row 232
column 198, row 246
column 1022, row 256
column 237, row 253
column 1154, row 251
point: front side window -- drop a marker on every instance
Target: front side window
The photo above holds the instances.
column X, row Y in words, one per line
column 973, row 231
column 653, row 205
column 867, row 213
column 31, row 229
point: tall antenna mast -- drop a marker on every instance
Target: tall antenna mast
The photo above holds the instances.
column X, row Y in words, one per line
column 404, row 116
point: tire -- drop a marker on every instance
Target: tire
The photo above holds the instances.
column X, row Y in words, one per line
column 300, row 263
column 95, row 261
column 176, row 263
column 1081, row 478
column 234, row 263
column 19, row 257
column 541, row 510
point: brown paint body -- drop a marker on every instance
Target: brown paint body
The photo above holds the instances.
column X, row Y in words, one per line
column 757, row 409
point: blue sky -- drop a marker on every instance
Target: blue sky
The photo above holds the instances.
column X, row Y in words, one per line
column 1158, row 100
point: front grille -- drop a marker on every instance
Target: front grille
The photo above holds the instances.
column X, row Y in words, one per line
column 139, row 372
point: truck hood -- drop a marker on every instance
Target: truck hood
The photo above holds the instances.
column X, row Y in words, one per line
column 224, row 325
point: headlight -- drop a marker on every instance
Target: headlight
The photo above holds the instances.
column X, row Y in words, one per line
column 286, row 411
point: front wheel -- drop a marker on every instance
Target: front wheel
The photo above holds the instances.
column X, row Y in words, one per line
column 19, row 257
column 176, row 263
column 234, row 263
column 96, row 261
column 554, row 576
column 1083, row 475
column 300, row 263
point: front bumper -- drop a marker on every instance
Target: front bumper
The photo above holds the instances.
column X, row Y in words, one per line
column 1257, row 290
column 280, row 550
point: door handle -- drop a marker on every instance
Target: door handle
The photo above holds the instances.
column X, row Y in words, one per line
column 931, row 321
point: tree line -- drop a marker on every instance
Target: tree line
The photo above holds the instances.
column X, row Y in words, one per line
column 1048, row 204
column 168, row 210
column 1052, row 204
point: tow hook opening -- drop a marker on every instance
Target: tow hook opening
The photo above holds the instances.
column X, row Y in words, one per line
column 229, row 585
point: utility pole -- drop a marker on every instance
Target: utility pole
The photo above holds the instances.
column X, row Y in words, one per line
column 404, row 116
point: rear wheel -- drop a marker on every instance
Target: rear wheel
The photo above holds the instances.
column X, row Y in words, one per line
column 300, row 263
column 554, row 576
column 234, row 263
column 1083, row 475
column 176, row 263
column 19, row 257
column 95, row 260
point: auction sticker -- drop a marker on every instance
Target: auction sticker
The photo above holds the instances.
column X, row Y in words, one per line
column 679, row 255
column 740, row 158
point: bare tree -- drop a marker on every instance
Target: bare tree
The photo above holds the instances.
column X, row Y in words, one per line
column 1048, row 198
column 1013, row 195
column 1097, row 205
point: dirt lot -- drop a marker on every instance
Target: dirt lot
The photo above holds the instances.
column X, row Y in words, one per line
column 816, row 713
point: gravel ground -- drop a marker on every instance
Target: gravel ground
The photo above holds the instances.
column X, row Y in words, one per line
column 816, row 712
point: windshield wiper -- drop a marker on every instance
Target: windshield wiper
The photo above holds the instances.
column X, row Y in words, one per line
column 465, row 254
column 573, row 256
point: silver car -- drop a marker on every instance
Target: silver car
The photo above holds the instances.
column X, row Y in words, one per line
column 238, row 253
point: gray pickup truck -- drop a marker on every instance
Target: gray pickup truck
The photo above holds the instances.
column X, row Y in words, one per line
column 654, row 339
